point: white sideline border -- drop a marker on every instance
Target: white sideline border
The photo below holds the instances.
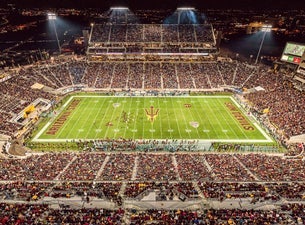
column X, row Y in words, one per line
column 267, row 140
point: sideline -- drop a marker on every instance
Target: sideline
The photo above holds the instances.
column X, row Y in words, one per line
column 36, row 138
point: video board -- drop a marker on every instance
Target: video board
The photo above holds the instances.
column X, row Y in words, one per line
column 301, row 68
column 293, row 53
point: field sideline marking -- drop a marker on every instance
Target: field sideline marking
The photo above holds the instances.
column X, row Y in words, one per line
column 200, row 140
column 267, row 140
column 253, row 122
column 141, row 96
column 52, row 120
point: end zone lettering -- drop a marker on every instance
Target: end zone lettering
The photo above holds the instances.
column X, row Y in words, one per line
column 239, row 116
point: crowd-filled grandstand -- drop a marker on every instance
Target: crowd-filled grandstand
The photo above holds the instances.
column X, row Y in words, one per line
column 151, row 38
column 156, row 182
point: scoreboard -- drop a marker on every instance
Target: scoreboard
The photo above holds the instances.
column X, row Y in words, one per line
column 293, row 53
column 301, row 68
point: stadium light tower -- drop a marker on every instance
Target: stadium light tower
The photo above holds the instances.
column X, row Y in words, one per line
column 183, row 10
column 91, row 30
column 119, row 8
column 266, row 29
column 52, row 18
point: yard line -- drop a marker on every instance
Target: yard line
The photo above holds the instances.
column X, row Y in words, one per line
column 143, row 108
column 184, row 122
column 119, row 122
column 234, row 120
column 211, row 126
column 199, row 116
column 88, row 117
column 160, row 117
column 111, row 119
column 169, row 123
column 216, row 119
column 80, row 116
column 152, row 126
column 136, row 118
column 130, row 104
column 103, row 120
column 68, row 119
column 93, row 124
column 193, row 120
column 176, row 120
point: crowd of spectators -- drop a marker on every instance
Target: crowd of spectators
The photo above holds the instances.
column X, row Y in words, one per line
column 192, row 167
column 117, row 177
column 292, row 214
column 273, row 168
column 225, row 167
column 84, row 167
column 157, row 33
column 153, row 166
column 119, row 167
column 43, row 214
column 213, row 216
column 156, row 167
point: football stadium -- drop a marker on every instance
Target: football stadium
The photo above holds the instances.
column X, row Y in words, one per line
column 152, row 126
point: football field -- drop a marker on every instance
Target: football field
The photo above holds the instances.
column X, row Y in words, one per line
column 206, row 118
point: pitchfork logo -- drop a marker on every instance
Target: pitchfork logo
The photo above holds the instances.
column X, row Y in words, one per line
column 151, row 113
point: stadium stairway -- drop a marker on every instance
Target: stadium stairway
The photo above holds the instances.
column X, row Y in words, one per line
column 135, row 168
column 67, row 166
column 99, row 172
column 248, row 171
column 176, row 167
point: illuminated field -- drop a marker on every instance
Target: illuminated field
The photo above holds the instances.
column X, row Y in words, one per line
column 207, row 118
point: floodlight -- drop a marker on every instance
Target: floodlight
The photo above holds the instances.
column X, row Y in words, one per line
column 119, row 8
column 266, row 28
column 51, row 16
column 186, row 8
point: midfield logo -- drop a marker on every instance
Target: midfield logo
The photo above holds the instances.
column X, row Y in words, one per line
column 151, row 113
column 194, row 124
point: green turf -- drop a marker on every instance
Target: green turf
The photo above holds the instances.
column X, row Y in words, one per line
column 201, row 117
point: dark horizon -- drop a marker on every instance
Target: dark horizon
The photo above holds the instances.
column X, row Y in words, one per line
column 159, row 4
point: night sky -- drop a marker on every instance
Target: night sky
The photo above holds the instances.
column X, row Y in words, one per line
column 162, row 4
